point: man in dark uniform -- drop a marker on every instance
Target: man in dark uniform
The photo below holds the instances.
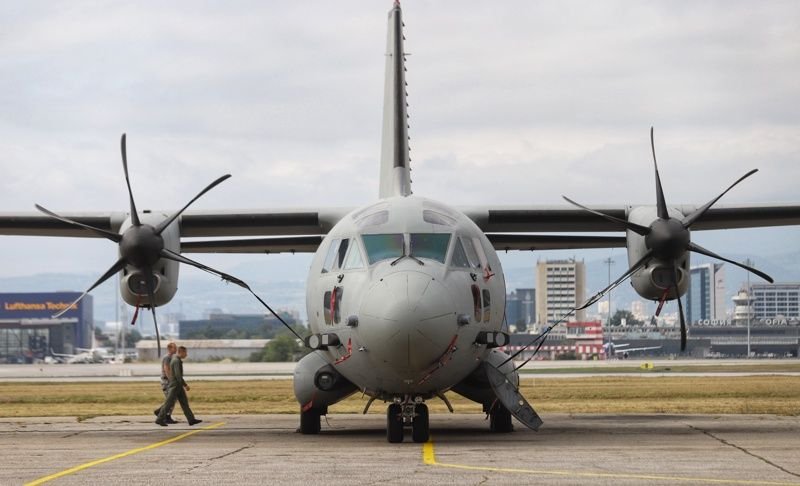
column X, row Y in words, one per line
column 176, row 390
column 165, row 374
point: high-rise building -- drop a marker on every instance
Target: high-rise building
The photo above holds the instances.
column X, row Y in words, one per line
column 775, row 300
column 560, row 287
column 520, row 307
column 705, row 298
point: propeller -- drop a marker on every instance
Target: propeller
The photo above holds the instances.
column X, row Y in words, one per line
column 667, row 239
column 141, row 245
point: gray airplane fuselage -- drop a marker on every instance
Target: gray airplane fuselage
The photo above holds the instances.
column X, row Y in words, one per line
column 406, row 284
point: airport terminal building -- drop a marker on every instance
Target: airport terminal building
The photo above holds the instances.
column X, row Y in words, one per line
column 28, row 330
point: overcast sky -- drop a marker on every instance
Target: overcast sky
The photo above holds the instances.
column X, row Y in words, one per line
column 513, row 102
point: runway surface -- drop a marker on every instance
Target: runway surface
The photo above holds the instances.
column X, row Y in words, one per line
column 352, row 449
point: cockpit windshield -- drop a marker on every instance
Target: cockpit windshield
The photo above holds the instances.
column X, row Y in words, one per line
column 382, row 247
column 430, row 245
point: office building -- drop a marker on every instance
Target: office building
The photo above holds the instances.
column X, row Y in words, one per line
column 560, row 287
column 775, row 300
column 29, row 332
column 705, row 299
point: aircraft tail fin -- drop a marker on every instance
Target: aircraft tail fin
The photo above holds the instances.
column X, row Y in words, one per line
column 395, row 177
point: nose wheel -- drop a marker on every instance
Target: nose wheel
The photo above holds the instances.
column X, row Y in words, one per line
column 398, row 416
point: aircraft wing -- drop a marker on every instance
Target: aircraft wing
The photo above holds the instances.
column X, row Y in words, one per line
column 284, row 222
column 543, row 219
column 631, row 350
column 288, row 244
column 505, row 241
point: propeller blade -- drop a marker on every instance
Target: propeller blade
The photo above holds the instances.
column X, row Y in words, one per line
column 119, row 265
column 163, row 225
column 115, row 237
column 680, row 305
column 151, row 296
column 171, row 255
column 699, row 249
column 661, row 203
column 134, row 213
column 634, row 268
column 636, row 228
column 688, row 220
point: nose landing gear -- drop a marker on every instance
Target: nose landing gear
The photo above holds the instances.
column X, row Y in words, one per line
column 407, row 413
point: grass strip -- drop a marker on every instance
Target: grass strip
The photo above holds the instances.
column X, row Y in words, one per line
column 612, row 394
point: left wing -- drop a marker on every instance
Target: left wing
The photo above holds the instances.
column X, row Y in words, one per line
column 546, row 219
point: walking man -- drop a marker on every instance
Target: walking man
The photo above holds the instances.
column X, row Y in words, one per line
column 165, row 374
column 176, row 390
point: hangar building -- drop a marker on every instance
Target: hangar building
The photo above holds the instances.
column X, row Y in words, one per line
column 28, row 330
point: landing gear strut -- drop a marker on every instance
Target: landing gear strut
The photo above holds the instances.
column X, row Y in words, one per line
column 309, row 421
column 407, row 413
column 500, row 419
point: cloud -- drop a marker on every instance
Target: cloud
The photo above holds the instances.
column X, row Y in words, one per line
column 510, row 103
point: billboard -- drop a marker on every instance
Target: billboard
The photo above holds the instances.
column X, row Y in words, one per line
column 41, row 305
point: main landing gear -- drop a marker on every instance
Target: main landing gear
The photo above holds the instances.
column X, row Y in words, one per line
column 401, row 415
column 309, row 420
column 500, row 419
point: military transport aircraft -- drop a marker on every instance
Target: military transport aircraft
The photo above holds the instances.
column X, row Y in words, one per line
column 405, row 296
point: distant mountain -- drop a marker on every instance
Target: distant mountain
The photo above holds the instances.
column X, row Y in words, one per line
column 281, row 283
column 196, row 295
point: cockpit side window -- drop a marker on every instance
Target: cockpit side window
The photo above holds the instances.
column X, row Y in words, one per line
column 354, row 259
column 481, row 252
column 336, row 254
column 472, row 255
column 382, row 247
column 430, row 245
column 459, row 259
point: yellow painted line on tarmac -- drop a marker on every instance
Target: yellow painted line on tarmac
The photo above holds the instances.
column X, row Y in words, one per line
column 429, row 458
column 131, row 452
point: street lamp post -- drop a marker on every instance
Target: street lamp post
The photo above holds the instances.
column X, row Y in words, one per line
column 609, row 261
column 750, row 263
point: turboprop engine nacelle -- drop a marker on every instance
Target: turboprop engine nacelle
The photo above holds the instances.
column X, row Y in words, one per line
column 132, row 283
column 655, row 278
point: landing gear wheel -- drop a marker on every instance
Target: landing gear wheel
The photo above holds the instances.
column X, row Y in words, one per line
column 420, row 430
column 394, row 423
column 309, row 421
column 500, row 420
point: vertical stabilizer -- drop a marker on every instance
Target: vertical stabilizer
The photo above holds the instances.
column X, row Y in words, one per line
column 395, row 177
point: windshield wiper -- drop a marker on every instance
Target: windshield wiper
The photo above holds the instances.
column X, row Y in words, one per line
column 404, row 256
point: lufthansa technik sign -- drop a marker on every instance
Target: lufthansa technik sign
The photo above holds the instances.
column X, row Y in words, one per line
column 40, row 305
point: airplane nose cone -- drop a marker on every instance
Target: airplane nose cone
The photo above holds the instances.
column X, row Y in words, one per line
column 407, row 320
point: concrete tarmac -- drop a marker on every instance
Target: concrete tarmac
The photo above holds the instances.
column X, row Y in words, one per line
column 352, row 449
